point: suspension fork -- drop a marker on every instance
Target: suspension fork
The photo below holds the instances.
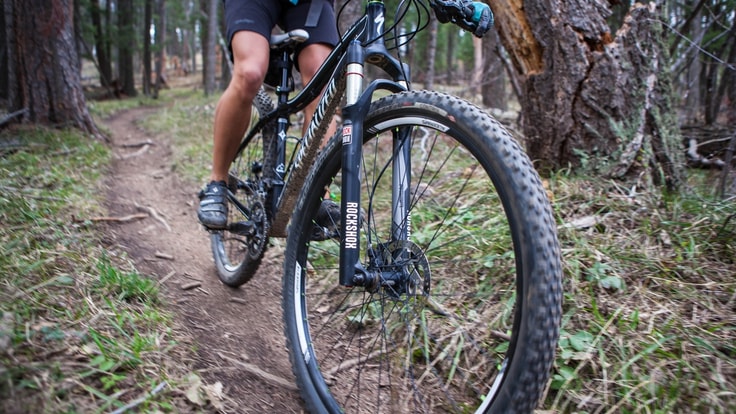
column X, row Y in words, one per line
column 352, row 154
column 358, row 103
column 352, row 271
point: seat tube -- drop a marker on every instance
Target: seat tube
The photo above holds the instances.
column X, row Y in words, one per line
column 278, row 183
column 352, row 154
column 282, row 93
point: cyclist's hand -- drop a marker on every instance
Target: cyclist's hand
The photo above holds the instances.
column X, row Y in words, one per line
column 473, row 16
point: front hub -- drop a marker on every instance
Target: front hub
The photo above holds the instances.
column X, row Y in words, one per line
column 398, row 268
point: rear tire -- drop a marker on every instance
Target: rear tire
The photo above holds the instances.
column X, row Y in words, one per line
column 238, row 250
column 474, row 323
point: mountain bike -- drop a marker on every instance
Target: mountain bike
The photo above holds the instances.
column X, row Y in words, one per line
column 436, row 284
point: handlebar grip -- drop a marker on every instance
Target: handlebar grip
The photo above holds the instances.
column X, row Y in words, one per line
column 473, row 16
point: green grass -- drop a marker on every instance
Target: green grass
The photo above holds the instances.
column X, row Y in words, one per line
column 80, row 329
column 187, row 120
column 650, row 318
column 106, row 108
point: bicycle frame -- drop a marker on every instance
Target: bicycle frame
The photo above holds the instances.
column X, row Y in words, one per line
column 341, row 71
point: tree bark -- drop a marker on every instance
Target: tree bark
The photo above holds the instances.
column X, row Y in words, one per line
column 43, row 64
column 101, row 45
column 226, row 62
column 160, row 48
column 450, row 59
column 431, row 53
column 3, row 53
column 589, row 95
column 147, row 67
column 351, row 12
column 494, row 81
column 209, row 52
column 126, row 46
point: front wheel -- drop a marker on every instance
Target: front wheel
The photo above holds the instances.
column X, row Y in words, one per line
column 463, row 311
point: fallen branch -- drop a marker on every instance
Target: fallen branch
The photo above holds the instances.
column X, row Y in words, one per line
column 167, row 277
column 347, row 364
column 12, row 115
column 161, row 255
column 697, row 160
column 137, row 144
column 190, row 286
column 143, row 149
column 153, row 213
column 266, row 376
column 123, row 219
column 142, row 399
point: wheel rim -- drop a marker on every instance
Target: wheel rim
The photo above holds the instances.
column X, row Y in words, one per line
column 436, row 352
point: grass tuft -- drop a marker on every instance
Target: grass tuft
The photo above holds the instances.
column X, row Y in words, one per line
column 650, row 311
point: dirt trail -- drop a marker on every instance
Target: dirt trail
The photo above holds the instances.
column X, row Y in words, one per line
column 238, row 332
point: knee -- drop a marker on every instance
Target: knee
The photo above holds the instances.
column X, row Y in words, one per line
column 246, row 80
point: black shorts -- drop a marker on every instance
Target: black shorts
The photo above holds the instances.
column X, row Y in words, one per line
column 261, row 16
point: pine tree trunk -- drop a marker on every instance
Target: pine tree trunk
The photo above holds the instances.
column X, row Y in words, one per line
column 590, row 96
column 3, row 54
column 450, row 59
column 160, row 48
column 494, row 79
column 101, row 45
column 147, row 20
column 351, row 12
column 43, row 64
column 226, row 62
column 478, row 63
column 431, row 53
column 210, row 53
column 126, row 46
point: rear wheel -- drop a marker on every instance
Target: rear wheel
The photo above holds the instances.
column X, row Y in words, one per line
column 239, row 248
column 463, row 314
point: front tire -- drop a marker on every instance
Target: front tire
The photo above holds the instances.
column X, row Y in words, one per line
column 474, row 325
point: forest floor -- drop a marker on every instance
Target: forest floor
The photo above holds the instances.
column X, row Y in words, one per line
column 238, row 332
column 649, row 312
column 650, row 302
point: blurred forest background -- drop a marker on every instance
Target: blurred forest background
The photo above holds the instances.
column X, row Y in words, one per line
column 594, row 76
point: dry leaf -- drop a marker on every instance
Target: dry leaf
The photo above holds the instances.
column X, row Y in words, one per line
column 214, row 394
column 192, row 393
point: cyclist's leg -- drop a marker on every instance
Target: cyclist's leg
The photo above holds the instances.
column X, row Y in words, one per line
column 250, row 58
column 250, row 63
column 317, row 17
column 310, row 59
column 248, row 27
